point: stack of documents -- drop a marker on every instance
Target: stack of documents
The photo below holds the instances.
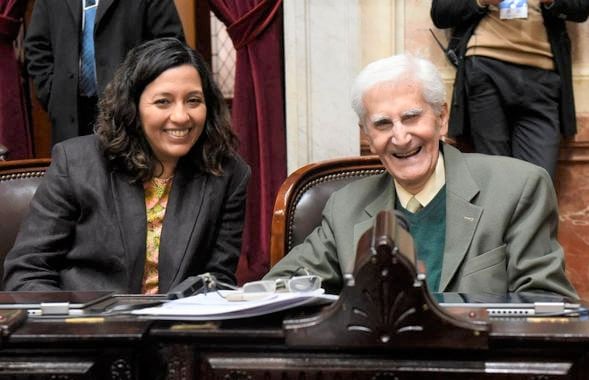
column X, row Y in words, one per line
column 231, row 304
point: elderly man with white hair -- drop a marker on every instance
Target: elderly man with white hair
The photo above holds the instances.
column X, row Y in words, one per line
column 480, row 224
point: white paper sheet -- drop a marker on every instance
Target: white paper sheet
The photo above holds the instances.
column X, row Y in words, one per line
column 217, row 306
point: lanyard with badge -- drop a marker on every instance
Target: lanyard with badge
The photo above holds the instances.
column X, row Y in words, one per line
column 512, row 9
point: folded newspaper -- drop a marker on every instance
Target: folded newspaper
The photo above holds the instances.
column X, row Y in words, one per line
column 231, row 304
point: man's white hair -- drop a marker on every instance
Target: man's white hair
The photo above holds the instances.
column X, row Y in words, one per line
column 401, row 68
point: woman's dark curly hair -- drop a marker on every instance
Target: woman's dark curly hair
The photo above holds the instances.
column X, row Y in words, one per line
column 118, row 125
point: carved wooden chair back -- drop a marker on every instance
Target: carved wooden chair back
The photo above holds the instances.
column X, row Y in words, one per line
column 303, row 195
column 19, row 180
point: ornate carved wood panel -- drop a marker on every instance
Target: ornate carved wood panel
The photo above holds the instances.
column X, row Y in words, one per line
column 346, row 367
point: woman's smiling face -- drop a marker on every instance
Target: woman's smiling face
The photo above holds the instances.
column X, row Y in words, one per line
column 173, row 113
column 404, row 131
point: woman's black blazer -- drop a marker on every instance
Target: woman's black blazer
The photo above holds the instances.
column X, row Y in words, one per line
column 86, row 229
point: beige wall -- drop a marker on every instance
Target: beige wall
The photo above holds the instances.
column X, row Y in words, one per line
column 322, row 57
column 396, row 26
column 580, row 50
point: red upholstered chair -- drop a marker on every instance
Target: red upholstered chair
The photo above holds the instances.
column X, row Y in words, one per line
column 302, row 197
column 18, row 182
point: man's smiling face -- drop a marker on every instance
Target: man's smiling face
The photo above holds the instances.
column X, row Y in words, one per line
column 404, row 131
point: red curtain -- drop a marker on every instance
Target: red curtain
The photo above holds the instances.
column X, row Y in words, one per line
column 255, row 27
column 14, row 124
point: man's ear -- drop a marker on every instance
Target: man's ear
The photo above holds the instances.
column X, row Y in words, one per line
column 362, row 130
column 443, row 120
column 364, row 134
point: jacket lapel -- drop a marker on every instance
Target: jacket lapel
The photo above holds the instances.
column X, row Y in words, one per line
column 462, row 217
column 182, row 214
column 129, row 200
column 103, row 6
column 385, row 200
column 75, row 7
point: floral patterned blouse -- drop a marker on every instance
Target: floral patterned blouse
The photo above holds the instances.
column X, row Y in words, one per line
column 157, row 192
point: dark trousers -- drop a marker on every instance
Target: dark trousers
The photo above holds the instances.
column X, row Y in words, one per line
column 513, row 111
column 87, row 109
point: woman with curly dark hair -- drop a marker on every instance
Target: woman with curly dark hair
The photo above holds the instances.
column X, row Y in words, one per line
column 155, row 196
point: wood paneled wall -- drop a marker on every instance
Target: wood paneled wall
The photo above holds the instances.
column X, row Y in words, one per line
column 40, row 123
column 572, row 187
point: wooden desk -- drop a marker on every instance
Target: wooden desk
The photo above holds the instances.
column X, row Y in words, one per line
column 127, row 348
column 59, row 350
column 518, row 349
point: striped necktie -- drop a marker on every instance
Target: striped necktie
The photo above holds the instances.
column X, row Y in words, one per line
column 87, row 61
column 413, row 205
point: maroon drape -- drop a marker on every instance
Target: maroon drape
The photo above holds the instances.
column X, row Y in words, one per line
column 14, row 125
column 255, row 27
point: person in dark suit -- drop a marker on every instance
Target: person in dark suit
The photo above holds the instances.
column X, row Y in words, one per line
column 513, row 92
column 156, row 196
column 53, row 44
column 481, row 224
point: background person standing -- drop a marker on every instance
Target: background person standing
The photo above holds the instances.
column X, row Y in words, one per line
column 513, row 93
column 55, row 43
